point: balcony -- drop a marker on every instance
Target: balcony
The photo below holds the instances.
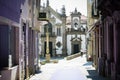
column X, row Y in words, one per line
column 107, row 7
column 50, row 35
column 95, row 11
column 110, row 3
column 73, row 31
column 100, row 3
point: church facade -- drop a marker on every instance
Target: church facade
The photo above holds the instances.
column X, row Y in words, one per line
column 64, row 36
column 76, row 28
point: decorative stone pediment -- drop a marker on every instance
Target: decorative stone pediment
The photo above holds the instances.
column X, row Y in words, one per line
column 58, row 24
column 76, row 39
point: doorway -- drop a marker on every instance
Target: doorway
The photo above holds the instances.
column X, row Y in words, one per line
column 75, row 48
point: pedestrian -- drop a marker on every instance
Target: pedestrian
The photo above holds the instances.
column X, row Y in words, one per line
column 81, row 54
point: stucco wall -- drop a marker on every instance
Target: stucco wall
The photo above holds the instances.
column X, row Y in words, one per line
column 10, row 8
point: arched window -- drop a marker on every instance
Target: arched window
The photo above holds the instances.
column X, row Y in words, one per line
column 49, row 27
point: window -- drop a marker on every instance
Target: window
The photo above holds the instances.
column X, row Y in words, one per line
column 49, row 27
column 58, row 44
column 58, row 31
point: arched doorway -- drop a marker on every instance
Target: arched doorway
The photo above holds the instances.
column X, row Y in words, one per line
column 76, row 45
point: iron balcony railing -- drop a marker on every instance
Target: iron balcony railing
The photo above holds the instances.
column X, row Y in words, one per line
column 50, row 34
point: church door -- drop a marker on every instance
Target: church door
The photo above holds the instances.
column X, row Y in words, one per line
column 75, row 48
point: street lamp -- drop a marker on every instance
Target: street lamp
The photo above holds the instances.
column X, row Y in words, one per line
column 47, row 44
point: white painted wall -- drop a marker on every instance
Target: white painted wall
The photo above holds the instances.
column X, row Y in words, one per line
column 59, row 49
column 83, row 43
column 68, row 44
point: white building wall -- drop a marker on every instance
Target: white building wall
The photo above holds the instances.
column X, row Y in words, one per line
column 84, row 26
column 83, row 43
column 58, row 38
column 83, row 47
column 59, row 49
column 69, row 44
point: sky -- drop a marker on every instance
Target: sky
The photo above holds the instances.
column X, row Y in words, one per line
column 70, row 5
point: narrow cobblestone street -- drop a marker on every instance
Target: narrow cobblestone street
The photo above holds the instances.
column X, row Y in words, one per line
column 54, row 40
column 75, row 69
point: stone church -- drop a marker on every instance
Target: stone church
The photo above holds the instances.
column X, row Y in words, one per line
column 64, row 31
column 75, row 32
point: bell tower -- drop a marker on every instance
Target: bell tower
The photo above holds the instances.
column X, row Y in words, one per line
column 75, row 19
column 47, row 3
